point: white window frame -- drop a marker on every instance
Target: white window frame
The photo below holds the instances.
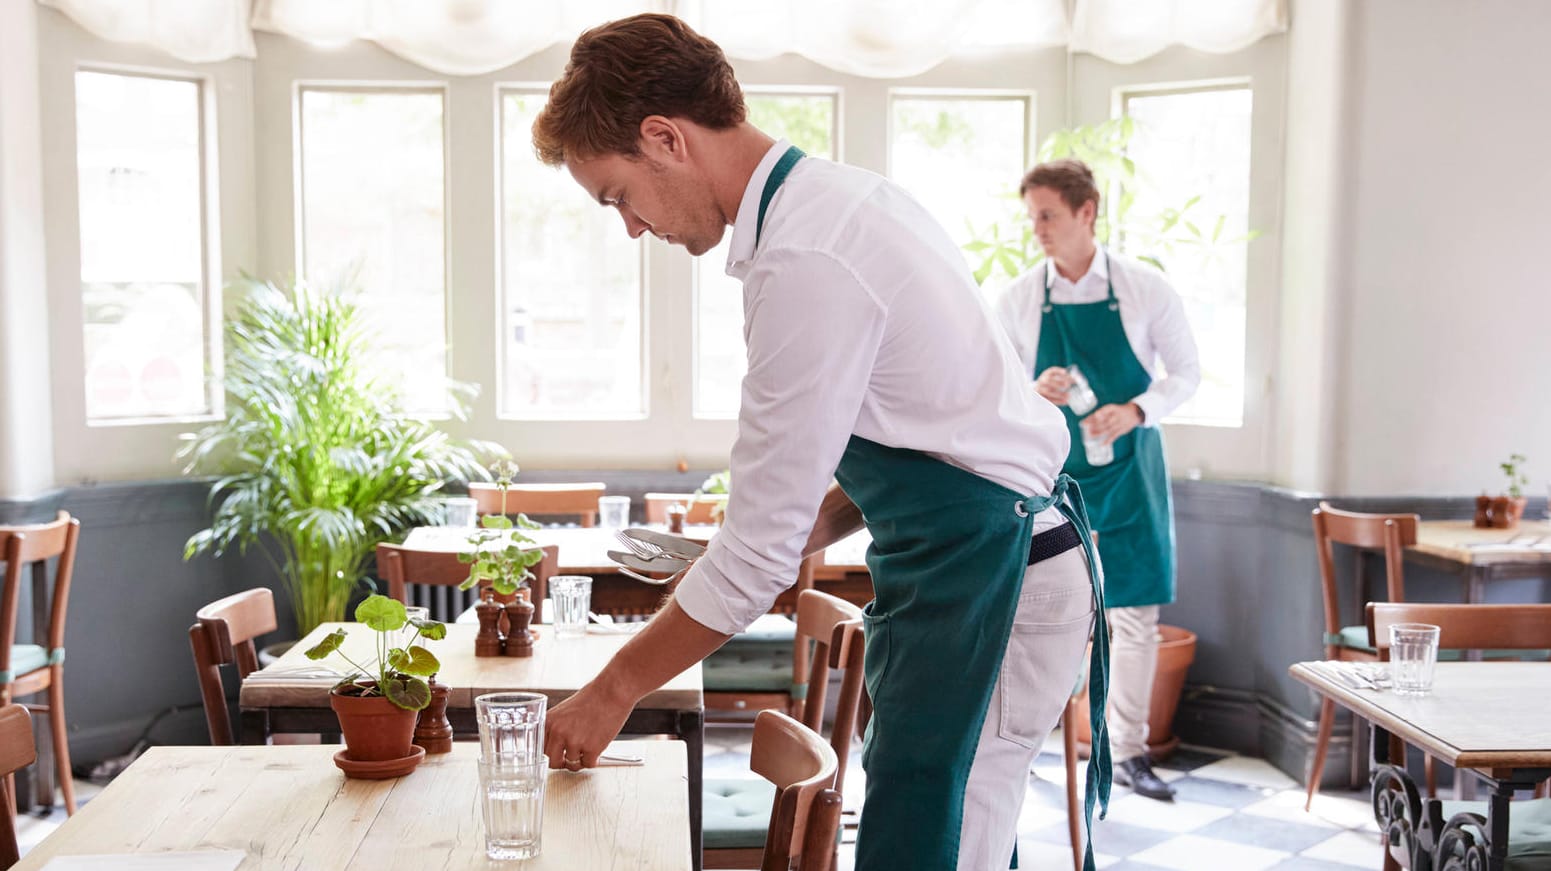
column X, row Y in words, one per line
column 1029, row 97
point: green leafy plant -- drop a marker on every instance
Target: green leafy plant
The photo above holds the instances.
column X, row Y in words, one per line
column 1006, row 246
column 399, row 674
column 316, row 461
column 1512, row 467
column 717, row 484
column 498, row 551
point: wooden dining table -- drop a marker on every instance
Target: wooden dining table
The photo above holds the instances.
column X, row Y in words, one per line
column 1480, row 556
column 1487, row 718
column 288, row 696
column 289, row 808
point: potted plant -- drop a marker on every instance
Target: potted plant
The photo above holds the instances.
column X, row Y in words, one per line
column 317, row 462
column 715, row 489
column 1506, row 510
column 499, row 557
column 377, row 703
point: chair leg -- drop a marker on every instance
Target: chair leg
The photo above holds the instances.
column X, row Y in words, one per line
column 1069, row 752
column 1430, row 773
column 9, row 855
column 1327, row 722
column 57, row 728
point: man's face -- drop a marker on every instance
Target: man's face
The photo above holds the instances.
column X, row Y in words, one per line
column 665, row 198
column 1061, row 232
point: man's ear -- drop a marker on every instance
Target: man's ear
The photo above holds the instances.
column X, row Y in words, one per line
column 1088, row 214
column 662, row 138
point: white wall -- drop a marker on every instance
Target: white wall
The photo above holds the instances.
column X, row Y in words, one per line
column 1446, row 285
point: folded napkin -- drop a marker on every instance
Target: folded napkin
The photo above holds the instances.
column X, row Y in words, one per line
column 294, row 674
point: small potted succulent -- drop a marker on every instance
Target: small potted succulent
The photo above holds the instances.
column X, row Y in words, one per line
column 378, row 703
column 1505, row 510
column 499, row 557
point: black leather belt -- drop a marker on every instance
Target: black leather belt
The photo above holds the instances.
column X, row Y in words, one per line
column 1053, row 542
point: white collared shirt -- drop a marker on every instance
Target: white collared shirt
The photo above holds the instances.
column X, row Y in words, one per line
column 1151, row 312
column 860, row 316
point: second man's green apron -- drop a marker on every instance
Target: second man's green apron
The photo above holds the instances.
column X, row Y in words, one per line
column 948, row 557
column 1128, row 498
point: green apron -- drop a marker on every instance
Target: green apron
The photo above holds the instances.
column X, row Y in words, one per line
column 1129, row 502
column 949, row 552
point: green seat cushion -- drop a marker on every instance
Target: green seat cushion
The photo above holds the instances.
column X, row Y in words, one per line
column 736, row 812
column 1353, row 638
column 1529, row 831
column 27, row 657
column 751, row 669
column 771, row 629
column 1356, row 638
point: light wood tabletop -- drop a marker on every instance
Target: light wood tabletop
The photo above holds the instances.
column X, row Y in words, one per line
column 558, row 668
column 1484, row 715
column 290, row 808
column 1459, row 541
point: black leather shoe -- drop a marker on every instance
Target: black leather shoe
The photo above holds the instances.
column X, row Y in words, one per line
column 1137, row 773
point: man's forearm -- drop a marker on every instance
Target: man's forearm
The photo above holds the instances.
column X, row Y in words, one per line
column 670, row 643
column 838, row 517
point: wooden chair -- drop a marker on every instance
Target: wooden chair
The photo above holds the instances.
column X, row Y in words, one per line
column 805, row 813
column 26, row 669
column 697, row 510
column 577, row 501
column 16, row 752
column 834, row 627
column 430, row 578
column 1390, row 533
column 764, row 666
column 223, row 634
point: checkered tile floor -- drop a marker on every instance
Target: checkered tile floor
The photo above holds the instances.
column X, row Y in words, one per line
column 1231, row 812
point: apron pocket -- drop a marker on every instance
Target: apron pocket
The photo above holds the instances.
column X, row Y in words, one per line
column 1041, row 666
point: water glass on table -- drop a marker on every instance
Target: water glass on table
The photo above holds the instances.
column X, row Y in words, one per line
column 571, row 598
column 1413, row 652
column 512, row 772
column 461, row 510
column 412, row 613
column 614, row 512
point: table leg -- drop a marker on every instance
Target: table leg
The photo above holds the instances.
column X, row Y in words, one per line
column 1397, row 805
column 253, row 726
column 691, row 728
column 43, row 769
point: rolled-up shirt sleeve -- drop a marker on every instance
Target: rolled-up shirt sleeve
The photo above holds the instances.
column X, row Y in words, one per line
column 813, row 332
column 1168, row 330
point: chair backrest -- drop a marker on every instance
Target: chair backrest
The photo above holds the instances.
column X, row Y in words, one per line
column 579, row 501
column 1390, row 533
column 223, row 634
column 835, row 627
column 1465, row 627
column 16, row 752
column 430, row 578
column 34, row 545
column 802, row 766
column 697, row 510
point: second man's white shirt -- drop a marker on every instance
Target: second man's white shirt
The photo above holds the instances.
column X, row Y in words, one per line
column 1151, row 313
column 860, row 316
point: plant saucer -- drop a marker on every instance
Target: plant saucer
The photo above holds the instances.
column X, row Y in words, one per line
column 383, row 769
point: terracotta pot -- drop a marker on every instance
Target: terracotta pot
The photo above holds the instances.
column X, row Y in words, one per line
column 375, row 729
column 1506, row 511
column 1176, row 652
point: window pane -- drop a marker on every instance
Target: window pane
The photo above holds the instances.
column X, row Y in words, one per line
column 1197, row 145
column 142, row 251
column 808, row 121
column 571, row 289
column 372, row 212
column 961, row 157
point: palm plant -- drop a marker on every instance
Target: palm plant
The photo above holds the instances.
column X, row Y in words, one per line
column 316, row 463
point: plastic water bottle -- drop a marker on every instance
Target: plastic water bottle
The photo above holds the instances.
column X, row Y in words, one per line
column 1080, row 397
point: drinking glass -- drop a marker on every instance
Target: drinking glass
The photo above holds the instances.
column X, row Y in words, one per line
column 413, row 612
column 460, row 510
column 1080, row 397
column 511, row 727
column 571, row 598
column 512, row 799
column 614, row 512
column 1098, row 452
column 1413, row 651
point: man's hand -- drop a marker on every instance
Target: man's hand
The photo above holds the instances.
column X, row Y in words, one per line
column 1053, row 384
column 579, row 728
column 1110, row 422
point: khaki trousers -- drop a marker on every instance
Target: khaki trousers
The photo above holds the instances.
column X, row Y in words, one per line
column 1133, row 660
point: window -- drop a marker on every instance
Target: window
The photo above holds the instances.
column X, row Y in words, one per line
column 1196, row 144
column 961, row 155
column 371, row 221
column 139, row 146
column 571, row 297
column 808, row 121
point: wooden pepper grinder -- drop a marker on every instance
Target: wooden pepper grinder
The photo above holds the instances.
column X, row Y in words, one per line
column 488, row 641
column 1483, row 512
column 676, row 514
column 432, row 730
column 519, row 641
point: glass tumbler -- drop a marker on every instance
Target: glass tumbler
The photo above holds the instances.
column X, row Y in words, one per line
column 571, row 598
column 1413, row 652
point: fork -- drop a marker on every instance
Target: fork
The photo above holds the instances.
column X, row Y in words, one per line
column 644, row 550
